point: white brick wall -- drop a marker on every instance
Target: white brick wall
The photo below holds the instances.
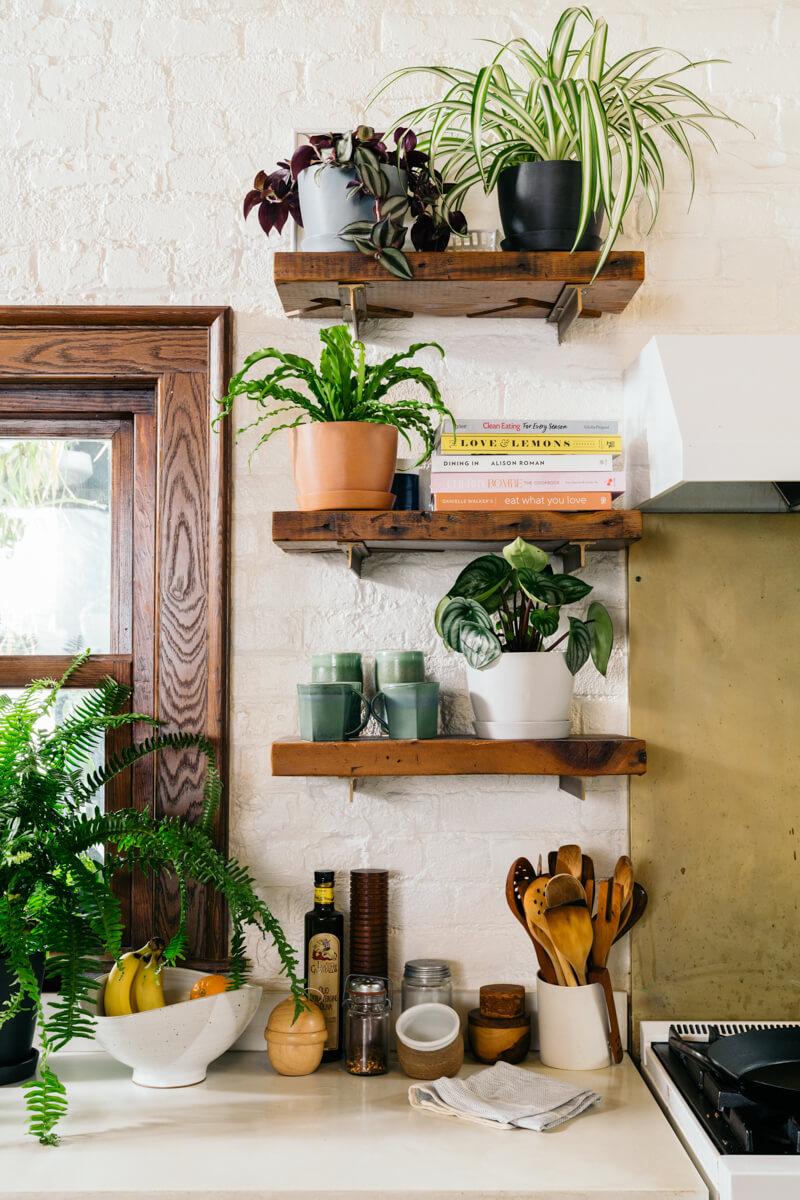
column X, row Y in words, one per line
column 131, row 132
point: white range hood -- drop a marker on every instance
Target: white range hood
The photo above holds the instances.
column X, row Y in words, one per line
column 712, row 424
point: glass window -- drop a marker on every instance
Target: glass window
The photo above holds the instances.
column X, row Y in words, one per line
column 55, row 545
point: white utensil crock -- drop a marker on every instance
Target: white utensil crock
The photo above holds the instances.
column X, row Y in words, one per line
column 522, row 687
column 573, row 1026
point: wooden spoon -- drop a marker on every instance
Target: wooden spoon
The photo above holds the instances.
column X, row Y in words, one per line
column 633, row 911
column 623, row 875
column 537, row 925
column 568, row 921
column 520, row 875
column 569, row 861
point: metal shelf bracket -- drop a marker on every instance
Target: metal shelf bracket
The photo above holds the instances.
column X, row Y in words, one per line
column 573, row 556
column 356, row 552
column 567, row 308
column 573, row 785
column 353, row 301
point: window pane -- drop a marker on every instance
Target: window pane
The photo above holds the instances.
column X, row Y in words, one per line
column 55, row 545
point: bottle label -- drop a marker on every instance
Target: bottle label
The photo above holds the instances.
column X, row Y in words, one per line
column 324, row 974
column 323, row 894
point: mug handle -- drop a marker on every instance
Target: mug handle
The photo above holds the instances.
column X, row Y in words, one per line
column 381, row 720
column 367, row 710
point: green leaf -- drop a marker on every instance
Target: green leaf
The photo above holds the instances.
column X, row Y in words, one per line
column 480, row 647
column 482, row 577
column 395, row 207
column 602, row 635
column 578, row 645
column 544, row 619
column 524, row 554
column 456, row 613
column 395, row 261
column 437, row 616
column 370, row 172
column 552, row 589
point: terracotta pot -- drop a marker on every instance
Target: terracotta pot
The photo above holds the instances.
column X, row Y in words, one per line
column 343, row 464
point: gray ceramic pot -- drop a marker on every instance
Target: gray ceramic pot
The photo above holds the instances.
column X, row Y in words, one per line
column 327, row 205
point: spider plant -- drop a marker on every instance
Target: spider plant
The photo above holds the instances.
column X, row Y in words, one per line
column 570, row 103
column 56, row 895
column 344, row 387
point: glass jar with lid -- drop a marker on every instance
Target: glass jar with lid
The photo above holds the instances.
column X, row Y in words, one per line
column 426, row 981
column 367, row 1013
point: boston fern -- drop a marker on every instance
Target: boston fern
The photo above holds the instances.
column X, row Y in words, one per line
column 512, row 604
column 343, row 388
column 570, row 102
column 56, row 897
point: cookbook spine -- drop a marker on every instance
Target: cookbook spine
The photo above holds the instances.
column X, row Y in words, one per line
column 521, row 463
column 505, row 481
column 500, row 501
column 477, row 443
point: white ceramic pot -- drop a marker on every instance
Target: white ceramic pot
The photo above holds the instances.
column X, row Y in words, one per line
column 521, row 730
column 327, row 205
column 573, row 1026
column 172, row 1046
column 521, row 688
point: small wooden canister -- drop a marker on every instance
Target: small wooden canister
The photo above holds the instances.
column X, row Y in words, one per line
column 295, row 1045
column 500, row 1030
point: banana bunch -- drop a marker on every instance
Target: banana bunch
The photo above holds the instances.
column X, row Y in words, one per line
column 136, row 982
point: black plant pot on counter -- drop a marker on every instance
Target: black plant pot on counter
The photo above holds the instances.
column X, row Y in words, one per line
column 540, row 204
column 18, row 1058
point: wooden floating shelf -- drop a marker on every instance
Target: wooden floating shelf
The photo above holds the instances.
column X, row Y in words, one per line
column 361, row 533
column 553, row 286
column 570, row 758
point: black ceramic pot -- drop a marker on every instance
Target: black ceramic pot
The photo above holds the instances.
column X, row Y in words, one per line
column 18, row 1058
column 540, row 204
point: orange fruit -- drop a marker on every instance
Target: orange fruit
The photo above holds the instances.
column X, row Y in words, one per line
column 209, row 985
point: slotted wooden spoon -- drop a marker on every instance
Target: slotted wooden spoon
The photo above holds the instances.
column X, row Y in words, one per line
column 534, row 901
column 568, row 922
column 520, row 875
column 606, row 925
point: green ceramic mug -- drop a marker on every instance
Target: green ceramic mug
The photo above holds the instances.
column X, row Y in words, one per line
column 399, row 666
column 410, row 710
column 331, row 712
column 337, row 667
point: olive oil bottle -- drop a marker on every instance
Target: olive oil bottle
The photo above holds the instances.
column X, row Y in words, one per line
column 324, row 958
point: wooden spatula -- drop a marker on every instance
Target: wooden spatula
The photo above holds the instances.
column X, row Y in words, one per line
column 537, row 925
column 569, row 923
column 520, row 875
column 606, row 921
column 606, row 924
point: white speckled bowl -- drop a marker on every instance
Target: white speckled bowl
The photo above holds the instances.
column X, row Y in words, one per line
column 172, row 1046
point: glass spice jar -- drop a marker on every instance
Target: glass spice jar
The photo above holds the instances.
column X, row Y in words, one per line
column 426, row 981
column 367, row 1013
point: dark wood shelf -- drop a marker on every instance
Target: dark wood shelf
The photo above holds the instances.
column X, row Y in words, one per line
column 572, row 757
column 552, row 286
column 361, row 533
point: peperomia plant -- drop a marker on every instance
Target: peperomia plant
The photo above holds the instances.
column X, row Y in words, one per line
column 413, row 190
column 511, row 604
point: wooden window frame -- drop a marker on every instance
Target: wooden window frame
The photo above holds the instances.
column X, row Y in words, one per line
column 157, row 371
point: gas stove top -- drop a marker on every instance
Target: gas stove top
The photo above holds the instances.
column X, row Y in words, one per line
column 744, row 1150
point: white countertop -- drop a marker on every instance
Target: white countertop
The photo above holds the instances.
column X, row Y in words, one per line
column 248, row 1134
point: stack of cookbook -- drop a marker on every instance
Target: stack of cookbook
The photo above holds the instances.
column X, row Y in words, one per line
column 494, row 465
